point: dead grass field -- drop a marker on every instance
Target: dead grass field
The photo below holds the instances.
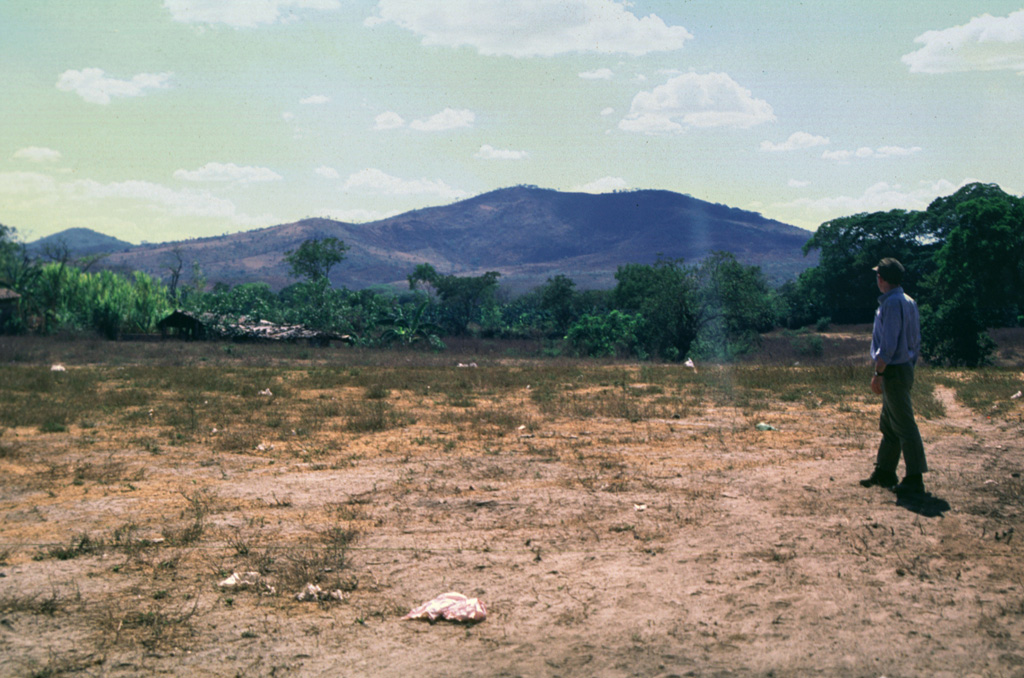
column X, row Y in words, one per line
column 616, row 519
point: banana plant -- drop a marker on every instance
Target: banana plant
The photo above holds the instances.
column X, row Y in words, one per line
column 408, row 329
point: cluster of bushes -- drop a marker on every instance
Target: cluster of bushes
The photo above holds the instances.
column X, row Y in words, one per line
column 665, row 310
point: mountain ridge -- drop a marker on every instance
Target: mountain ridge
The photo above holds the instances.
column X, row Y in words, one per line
column 525, row 233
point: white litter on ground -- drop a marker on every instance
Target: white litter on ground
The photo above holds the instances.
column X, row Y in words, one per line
column 244, row 580
column 313, row 592
column 450, row 606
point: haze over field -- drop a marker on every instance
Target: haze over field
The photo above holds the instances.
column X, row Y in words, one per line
column 150, row 120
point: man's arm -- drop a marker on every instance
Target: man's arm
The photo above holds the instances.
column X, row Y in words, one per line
column 876, row 379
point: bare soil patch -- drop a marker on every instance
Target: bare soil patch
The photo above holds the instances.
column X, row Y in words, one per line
column 616, row 519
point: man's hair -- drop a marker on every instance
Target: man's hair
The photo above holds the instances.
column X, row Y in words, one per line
column 891, row 270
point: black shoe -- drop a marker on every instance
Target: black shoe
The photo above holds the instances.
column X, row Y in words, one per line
column 911, row 485
column 886, row 479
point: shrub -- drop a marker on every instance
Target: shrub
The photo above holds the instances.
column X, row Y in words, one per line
column 615, row 333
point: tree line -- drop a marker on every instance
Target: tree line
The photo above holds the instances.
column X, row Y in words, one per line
column 965, row 258
column 965, row 255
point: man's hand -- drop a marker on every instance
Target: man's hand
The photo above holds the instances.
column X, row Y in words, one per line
column 876, row 381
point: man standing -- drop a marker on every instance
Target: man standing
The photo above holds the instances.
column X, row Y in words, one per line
column 895, row 346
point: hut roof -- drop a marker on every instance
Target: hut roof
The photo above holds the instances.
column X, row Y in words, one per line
column 244, row 328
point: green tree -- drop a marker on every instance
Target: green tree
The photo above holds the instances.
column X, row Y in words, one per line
column 978, row 281
column 314, row 259
column 465, row 300
column 735, row 305
column 982, row 255
column 664, row 294
column 557, row 297
column 842, row 285
column 316, row 306
column 607, row 334
column 17, row 272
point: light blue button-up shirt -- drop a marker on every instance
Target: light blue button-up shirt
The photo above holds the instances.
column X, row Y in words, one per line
column 896, row 337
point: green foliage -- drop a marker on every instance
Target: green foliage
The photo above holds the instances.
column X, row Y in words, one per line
column 736, row 304
column 981, row 260
column 18, row 273
column 953, row 334
column 255, row 301
column 314, row 259
column 556, row 298
column 665, row 295
column 610, row 334
column 410, row 328
column 465, row 300
column 842, row 285
column 714, row 310
column 978, row 277
column 68, row 299
column 965, row 260
column 805, row 344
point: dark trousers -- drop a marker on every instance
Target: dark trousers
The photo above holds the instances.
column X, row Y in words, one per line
column 899, row 430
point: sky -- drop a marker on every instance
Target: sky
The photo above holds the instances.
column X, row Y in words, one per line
column 159, row 120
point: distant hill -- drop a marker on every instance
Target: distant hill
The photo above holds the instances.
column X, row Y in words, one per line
column 527, row 234
column 78, row 242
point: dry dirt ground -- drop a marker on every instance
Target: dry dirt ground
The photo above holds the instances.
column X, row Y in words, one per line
column 670, row 537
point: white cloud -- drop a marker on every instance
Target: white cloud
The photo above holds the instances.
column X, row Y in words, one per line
column 25, row 190
column 26, row 183
column 94, row 86
column 388, row 120
column 36, row 154
column 796, row 141
column 159, row 198
column 607, row 111
column 315, row 99
column 868, row 152
column 527, row 28
column 230, row 172
column 447, row 119
column 796, row 183
column 242, row 13
column 376, row 181
column 288, row 116
column 598, row 74
column 327, row 172
column 602, row 185
column 488, row 152
column 693, row 100
column 985, row 43
column 895, row 151
column 881, row 197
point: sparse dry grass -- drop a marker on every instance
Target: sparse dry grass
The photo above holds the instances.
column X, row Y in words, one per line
column 150, row 476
